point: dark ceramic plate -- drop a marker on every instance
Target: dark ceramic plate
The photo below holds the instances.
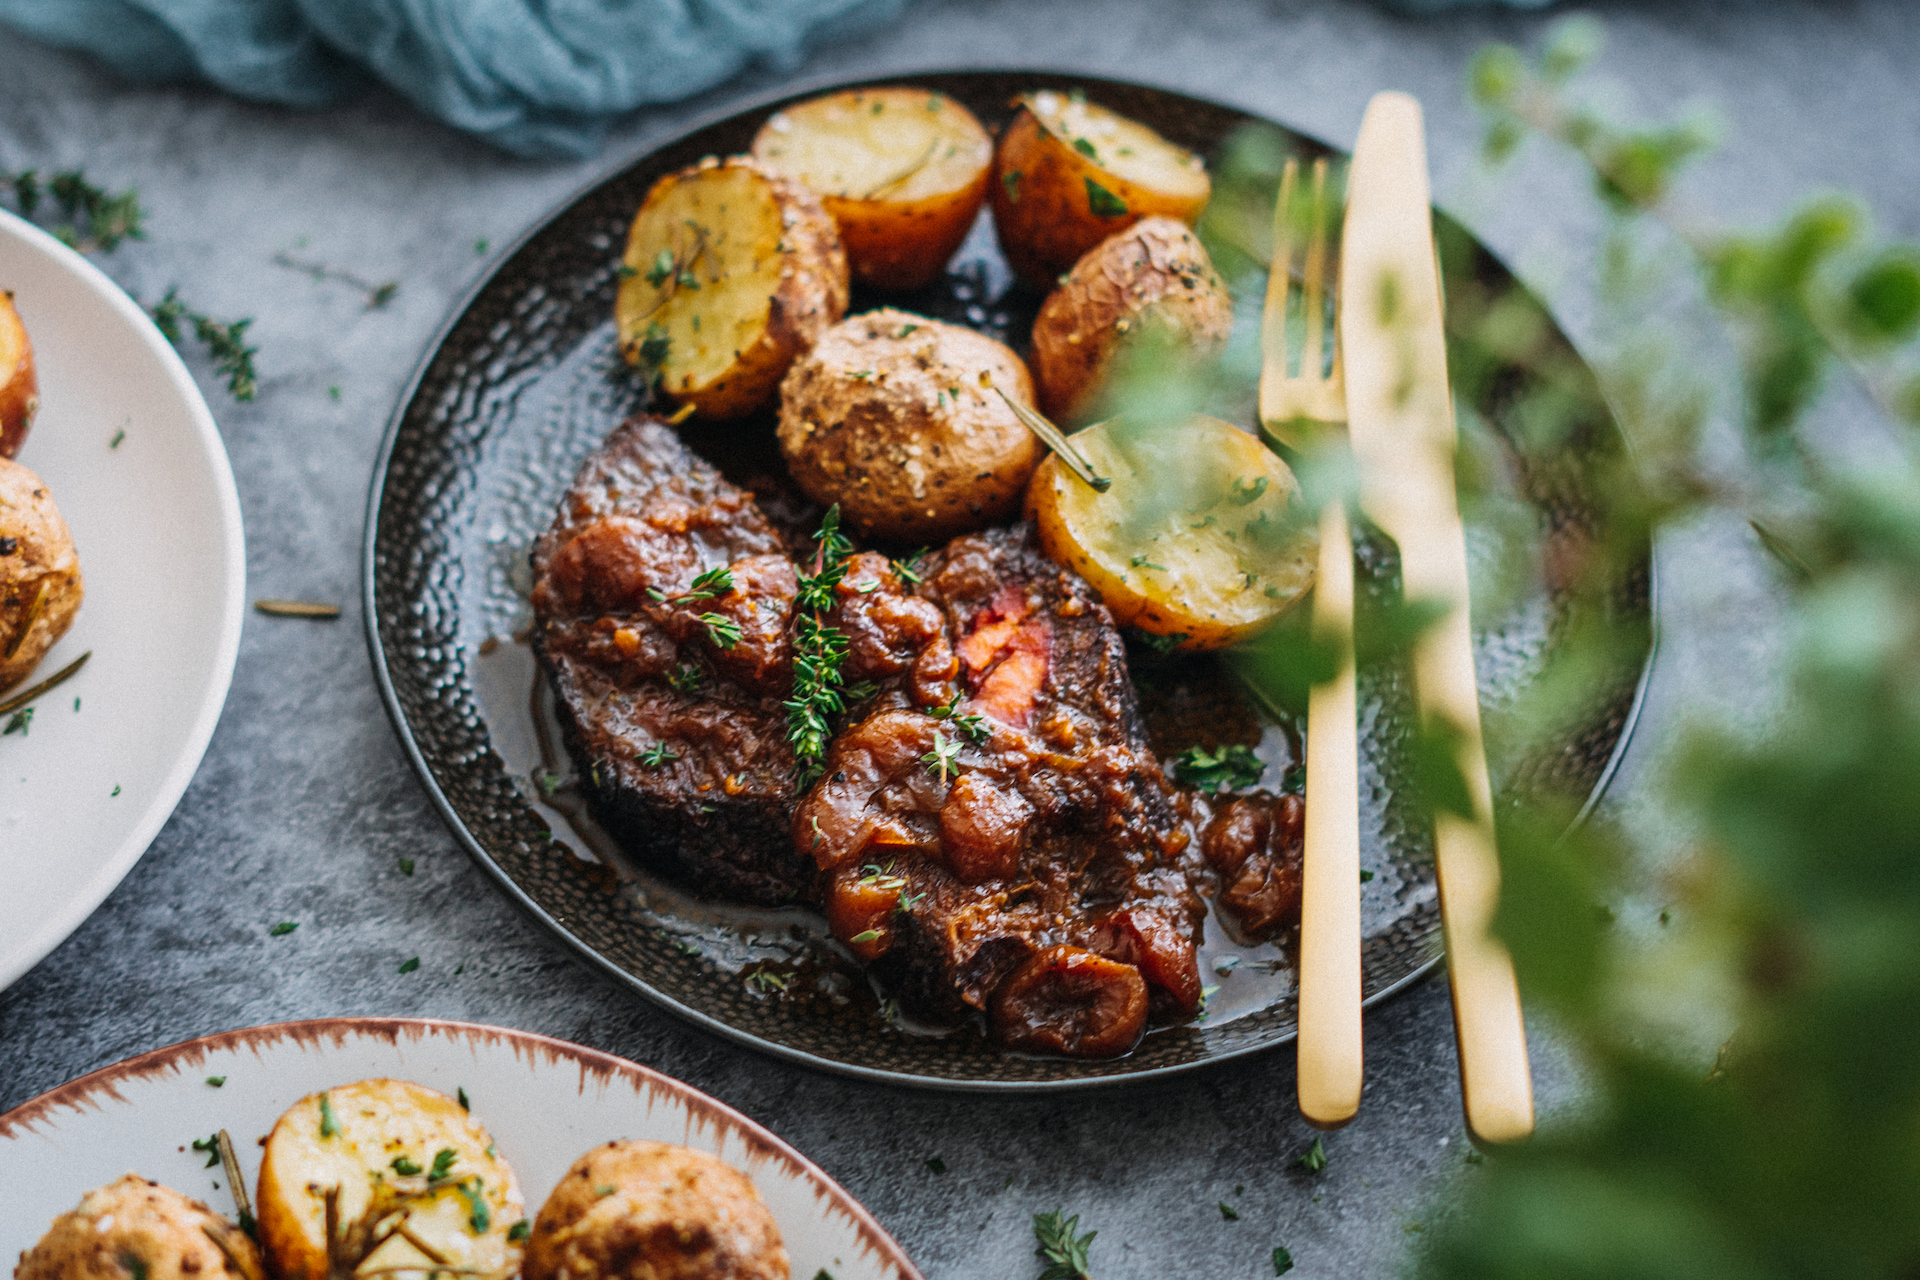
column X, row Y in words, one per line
column 525, row 381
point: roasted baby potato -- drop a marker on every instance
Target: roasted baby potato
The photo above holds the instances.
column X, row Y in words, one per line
column 19, row 387
column 136, row 1228
column 1067, row 174
column 895, row 417
column 1198, row 539
column 40, row 586
column 1155, row 273
column 378, row 1149
column 631, row 1210
column 730, row 272
column 902, row 171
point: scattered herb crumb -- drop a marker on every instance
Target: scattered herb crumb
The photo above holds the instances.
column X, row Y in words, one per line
column 603, row 1191
column 1314, row 1159
column 1231, row 767
column 18, row 722
column 522, row 1229
column 210, row 1147
column 1228, row 1212
column 408, row 966
column 442, row 1163
column 936, row 1165
column 1366, row 877
column 1102, row 203
column 328, row 1125
column 406, row 866
column 1282, row 1261
column 118, row 437
column 115, row 791
column 282, row 929
column 460, row 1095
column 480, row 246
column 333, row 392
column 406, row 1168
column 216, row 1081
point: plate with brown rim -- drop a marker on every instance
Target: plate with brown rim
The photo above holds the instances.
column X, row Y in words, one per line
column 544, row 1101
column 525, row 380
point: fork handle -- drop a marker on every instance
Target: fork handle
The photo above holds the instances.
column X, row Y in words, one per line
column 1495, row 1084
column 1329, row 1045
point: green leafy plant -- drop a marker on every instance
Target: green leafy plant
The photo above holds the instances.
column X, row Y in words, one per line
column 1783, row 1144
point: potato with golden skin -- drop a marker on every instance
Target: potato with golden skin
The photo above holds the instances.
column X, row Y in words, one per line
column 134, row 1229
column 40, row 583
column 896, row 418
column 376, row 1148
column 730, row 272
column 634, row 1210
column 19, row 385
column 902, row 171
column 1199, row 539
column 1156, row 273
column 1067, row 174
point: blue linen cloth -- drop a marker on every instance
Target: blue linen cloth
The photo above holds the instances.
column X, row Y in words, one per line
column 537, row 77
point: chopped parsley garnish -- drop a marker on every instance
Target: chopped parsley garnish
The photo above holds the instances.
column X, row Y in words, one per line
column 1314, row 1158
column 1232, row 767
column 282, row 929
column 603, row 1191
column 1085, row 148
column 211, row 1146
column 519, row 1231
column 460, row 1096
column 1141, row 562
column 405, row 1167
column 479, row 1212
column 861, row 375
column 1282, row 1261
column 1064, row 1252
column 216, row 1081
column 1103, row 203
column 1228, row 1212
column 654, row 347
column 1245, row 492
column 328, row 1125
column 118, row 436
column 408, row 966
column 18, row 723
column 658, row 754
column 661, row 269
column 442, row 1163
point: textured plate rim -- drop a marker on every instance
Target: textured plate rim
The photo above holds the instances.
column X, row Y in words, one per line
column 140, row 834
column 390, row 697
column 77, row 1095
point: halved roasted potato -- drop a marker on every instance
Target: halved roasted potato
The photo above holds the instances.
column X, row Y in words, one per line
column 1155, row 273
column 1199, row 538
column 1067, row 174
column 902, row 171
column 385, row 1152
column 40, row 581
column 730, row 272
column 19, row 386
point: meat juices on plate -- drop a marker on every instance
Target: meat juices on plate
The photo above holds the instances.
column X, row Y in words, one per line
column 992, row 831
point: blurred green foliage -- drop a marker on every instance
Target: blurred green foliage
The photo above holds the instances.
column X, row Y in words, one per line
column 1795, row 920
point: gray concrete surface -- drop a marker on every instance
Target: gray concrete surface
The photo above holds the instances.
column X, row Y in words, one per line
column 305, row 803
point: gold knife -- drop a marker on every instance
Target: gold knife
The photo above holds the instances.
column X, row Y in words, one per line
column 1400, row 420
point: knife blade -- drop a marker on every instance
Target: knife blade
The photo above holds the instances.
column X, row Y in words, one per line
column 1400, row 420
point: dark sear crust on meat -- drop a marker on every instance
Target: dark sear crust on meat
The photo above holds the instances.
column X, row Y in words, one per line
column 633, row 674
column 992, row 833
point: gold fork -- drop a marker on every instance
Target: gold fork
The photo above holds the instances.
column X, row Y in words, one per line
column 1307, row 412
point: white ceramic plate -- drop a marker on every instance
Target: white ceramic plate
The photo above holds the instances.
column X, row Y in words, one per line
column 545, row 1102
column 157, row 524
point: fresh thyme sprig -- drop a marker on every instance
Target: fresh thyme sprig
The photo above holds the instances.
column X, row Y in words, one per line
column 973, row 726
column 97, row 221
column 226, row 342
column 722, row 630
column 714, row 582
column 819, row 652
column 378, row 295
column 1064, row 1252
column 945, row 756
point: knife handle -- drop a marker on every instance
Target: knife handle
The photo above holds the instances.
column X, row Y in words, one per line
column 1329, row 1046
column 1495, row 1084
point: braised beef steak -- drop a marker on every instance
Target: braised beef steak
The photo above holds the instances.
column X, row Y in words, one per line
column 675, row 722
column 992, row 831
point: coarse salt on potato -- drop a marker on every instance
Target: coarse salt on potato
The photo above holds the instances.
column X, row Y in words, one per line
column 384, row 1151
column 1198, row 539
column 40, row 583
column 1068, row 173
column 897, row 418
column 903, row 172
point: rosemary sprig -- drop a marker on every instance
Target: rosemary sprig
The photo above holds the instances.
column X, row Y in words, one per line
column 61, row 676
column 819, row 652
column 1064, row 1252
